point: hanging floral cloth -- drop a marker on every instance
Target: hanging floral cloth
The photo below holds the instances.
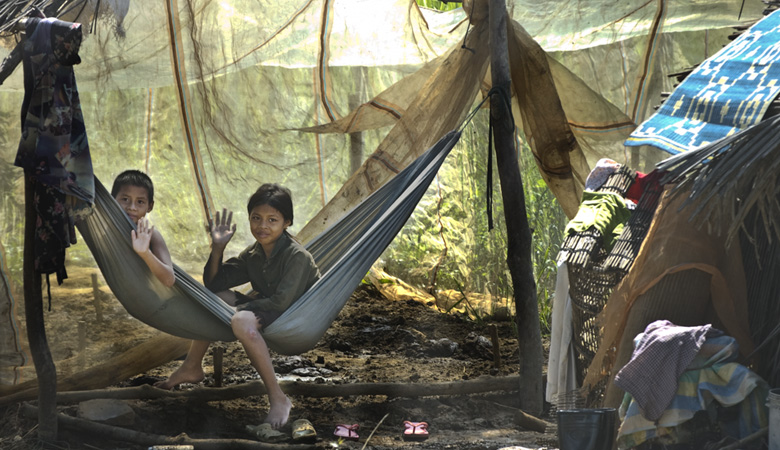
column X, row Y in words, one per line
column 54, row 147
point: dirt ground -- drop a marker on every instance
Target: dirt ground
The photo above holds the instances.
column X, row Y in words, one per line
column 372, row 340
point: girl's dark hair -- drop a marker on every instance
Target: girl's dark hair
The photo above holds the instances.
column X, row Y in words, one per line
column 273, row 195
column 133, row 178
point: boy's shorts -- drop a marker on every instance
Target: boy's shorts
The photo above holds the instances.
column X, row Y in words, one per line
column 265, row 317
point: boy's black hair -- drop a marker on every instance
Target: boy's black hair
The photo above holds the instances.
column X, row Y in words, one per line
column 274, row 195
column 133, row 178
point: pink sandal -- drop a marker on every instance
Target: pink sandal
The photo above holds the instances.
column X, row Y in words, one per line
column 348, row 432
column 415, row 431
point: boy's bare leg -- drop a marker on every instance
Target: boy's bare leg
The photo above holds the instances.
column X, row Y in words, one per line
column 245, row 327
column 191, row 370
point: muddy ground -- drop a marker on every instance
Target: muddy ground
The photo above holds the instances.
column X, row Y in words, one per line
column 373, row 340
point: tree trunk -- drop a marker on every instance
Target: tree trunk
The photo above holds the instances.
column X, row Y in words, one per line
column 36, row 331
column 518, row 231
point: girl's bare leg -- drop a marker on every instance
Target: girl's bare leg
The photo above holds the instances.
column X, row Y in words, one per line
column 247, row 330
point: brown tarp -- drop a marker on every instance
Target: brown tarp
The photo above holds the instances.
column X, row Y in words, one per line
column 440, row 105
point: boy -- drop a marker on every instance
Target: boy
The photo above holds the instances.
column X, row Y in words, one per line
column 134, row 192
column 279, row 269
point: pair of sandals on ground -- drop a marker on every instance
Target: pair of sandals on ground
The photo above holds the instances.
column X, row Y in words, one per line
column 303, row 431
column 413, row 431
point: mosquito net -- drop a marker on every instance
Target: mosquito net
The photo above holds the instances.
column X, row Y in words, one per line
column 213, row 98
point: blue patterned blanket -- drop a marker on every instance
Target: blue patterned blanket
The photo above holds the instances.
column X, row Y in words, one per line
column 728, row 92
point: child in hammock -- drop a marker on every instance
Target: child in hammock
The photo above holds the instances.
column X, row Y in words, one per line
column 279, row 269
column 134, row 192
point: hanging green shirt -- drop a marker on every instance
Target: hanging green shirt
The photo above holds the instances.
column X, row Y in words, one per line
column 605, row 211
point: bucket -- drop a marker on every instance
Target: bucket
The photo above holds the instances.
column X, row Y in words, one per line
column 773, row 402
column 587, row 429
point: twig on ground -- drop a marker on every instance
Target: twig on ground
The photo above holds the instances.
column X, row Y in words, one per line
column 373, row 431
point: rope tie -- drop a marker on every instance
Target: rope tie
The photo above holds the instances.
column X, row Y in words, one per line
column 504, row 97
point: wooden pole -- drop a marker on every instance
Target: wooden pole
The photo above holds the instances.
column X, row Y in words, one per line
column 33, row 297
column 496, row 346
column 518, row 230
column 36, row 331
column 356, row 138
column 96, row 295
column 405, row 389
column 11, row 62
column 219, row 353
column 355, row 141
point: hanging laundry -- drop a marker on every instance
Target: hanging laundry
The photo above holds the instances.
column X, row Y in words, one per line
column 600, row 173
column 604, row 211
column 661, row 354
column 54, row 147
column 562, row 360
column 644, row 182
column 715, row 396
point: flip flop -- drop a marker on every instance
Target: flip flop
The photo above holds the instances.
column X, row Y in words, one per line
column 348, row 432
column 303, row 431
column 415, row 431
column 265, row 433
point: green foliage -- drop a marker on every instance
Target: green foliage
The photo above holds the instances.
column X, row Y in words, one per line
column 547, row 221
column 447, row 244
column 439, row 6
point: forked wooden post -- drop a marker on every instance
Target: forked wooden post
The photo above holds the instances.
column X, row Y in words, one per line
column 33, row 296
column 36, row 331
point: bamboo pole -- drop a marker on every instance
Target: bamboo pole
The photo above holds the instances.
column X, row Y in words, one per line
column 518, row 230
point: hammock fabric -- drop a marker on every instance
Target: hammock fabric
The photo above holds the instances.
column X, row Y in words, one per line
column 344, row 253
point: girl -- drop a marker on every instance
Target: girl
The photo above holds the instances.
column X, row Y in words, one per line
column 279, row 269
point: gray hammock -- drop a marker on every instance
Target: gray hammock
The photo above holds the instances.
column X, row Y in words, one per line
column 344, row 253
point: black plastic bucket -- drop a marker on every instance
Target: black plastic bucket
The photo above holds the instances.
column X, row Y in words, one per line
column 587, row 429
